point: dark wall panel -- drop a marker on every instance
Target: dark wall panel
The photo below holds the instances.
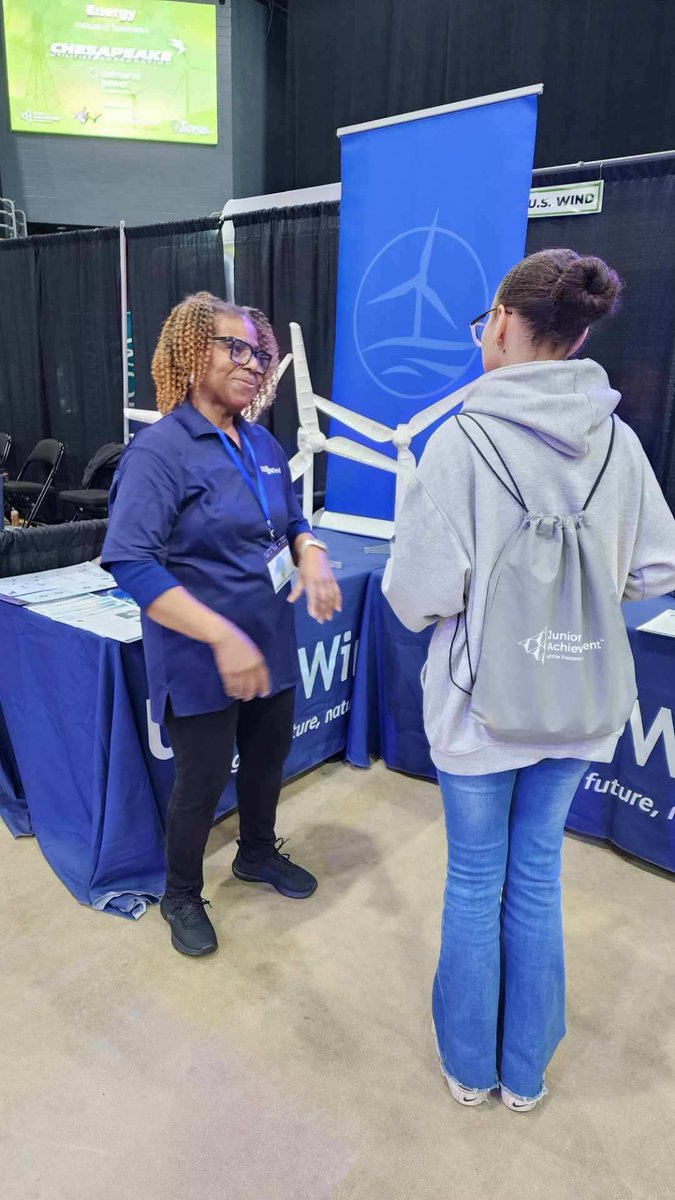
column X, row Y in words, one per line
column 606, row 67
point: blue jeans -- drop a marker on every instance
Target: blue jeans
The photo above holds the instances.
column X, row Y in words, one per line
column 499, row 992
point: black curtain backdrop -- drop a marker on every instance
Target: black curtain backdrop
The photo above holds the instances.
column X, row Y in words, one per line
column 79, row 292
column 634, row 234
column 166, row 263
column 286, row 265
column 606, row 67
column 23, row 408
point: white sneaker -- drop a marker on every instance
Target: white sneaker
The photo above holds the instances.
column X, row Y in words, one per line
column 516, row 1103
column 467, row 1097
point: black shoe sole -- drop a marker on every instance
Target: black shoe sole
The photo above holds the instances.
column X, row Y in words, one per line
column 186, row 949
column 282, row 891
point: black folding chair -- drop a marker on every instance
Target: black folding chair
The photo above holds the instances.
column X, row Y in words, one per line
column 5, row 447
column 91, row 500
column 47, row 454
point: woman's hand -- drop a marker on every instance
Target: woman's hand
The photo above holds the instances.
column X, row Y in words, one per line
column 316, row 579
column 241, row 666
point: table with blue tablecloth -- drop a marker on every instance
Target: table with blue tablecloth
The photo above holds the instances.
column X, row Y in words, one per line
column 84, row 768
column 630, row 802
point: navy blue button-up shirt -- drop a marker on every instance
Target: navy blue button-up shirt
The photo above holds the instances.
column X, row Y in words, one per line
column 179, row 500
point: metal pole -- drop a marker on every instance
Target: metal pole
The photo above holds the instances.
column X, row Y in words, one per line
column 458, row 106
column 227, row 241
column 332, row 192
column 124, row 304
column 607, row 162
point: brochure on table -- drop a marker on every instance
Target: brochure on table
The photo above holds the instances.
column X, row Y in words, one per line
column 113, row 616
column 72, row 596
column 59, row 584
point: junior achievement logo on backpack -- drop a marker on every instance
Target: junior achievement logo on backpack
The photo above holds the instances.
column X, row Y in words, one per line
column 563, row 647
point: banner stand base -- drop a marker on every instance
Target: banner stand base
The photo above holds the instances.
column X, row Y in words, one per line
column 346, row 523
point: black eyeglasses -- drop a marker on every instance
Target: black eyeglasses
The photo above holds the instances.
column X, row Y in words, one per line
column 241, row 353
column 478, row 324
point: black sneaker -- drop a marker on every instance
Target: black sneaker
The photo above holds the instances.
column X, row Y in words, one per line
column 191, row 931
column 277, row 870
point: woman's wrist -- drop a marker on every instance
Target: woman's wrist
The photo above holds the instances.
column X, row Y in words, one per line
column 306, row 543
column 219, row 630
column 180, row 611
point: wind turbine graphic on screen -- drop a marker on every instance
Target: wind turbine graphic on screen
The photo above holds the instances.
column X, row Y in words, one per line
column 184, row 77
column 312, row 441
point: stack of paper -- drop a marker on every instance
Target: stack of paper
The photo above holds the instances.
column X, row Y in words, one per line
column 71, row 595
column 55, row 585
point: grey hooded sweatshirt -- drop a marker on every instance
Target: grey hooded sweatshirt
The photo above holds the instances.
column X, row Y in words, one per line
column 553, row 433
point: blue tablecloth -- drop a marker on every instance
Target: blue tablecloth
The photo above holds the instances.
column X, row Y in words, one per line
column 630, row 802
column 83, row 767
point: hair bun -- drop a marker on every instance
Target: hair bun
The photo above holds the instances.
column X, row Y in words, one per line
column 587, row 287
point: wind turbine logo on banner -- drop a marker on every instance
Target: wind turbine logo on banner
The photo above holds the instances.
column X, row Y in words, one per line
column 312, row 441
column 419, row 349
column 419, row 284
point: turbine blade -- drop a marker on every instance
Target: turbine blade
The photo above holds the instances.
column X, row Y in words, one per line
column 365, row 425
column 300, row 462
column 428, row 247
column 433, row 298
column 361, row 454
column 395, row 293
column 309, row 418
column 281, row 369
column 428, row 416
column 146, row 416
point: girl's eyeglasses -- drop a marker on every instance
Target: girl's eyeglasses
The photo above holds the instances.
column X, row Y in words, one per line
column 478, row 324
column 241, row 353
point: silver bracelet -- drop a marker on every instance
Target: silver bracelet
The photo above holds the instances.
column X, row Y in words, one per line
column 312, row 542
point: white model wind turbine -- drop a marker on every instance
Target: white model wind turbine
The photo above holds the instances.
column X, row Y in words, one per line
column 312, row 441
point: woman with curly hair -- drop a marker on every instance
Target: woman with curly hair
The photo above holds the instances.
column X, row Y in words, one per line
column 205, row 530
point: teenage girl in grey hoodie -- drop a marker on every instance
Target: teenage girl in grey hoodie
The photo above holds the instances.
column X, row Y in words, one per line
column 499, row 993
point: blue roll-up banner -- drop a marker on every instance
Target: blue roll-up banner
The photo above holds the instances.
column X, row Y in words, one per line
column 434, row 213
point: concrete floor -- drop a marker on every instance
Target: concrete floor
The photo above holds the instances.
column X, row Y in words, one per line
column 297, row 1063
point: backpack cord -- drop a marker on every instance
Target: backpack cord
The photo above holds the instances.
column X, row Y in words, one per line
column 516, row 494
column 468, row 654
column 598, row 481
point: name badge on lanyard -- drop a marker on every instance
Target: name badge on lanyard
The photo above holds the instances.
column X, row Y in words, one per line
column 280, row 564
column 278, row 557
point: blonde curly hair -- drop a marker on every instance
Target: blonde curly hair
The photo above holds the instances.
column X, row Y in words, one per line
column 185, row 344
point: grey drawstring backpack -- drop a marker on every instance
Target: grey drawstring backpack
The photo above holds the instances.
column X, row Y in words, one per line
column 556, row 664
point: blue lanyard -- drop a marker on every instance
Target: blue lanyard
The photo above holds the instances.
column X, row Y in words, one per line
column 255, row 482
